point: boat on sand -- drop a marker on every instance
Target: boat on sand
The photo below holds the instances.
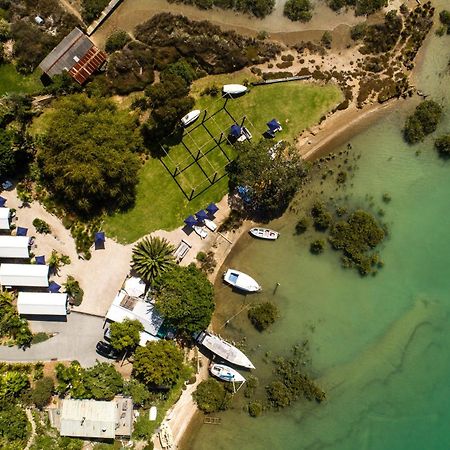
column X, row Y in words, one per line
column 226, row 373
column 190, row 117
column 241, row 280
column 264, row 233
column 165, row 436
column 224, row 350
column 200, row 231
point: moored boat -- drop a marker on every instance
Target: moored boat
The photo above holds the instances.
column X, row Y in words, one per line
column 210, row 224
column 241, row 280
column 165, row 436
column 265, row 233
column 224, row 350
column 234, row 89
column 226, row 373
column 190, row 117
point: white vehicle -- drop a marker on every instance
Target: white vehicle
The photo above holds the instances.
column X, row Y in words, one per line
column 190, row 117
column 241, row 280
column 265, row 233
column 226, row 373
column 210, row 224
column 152, row 413
column 200, row 231
column 234, row 89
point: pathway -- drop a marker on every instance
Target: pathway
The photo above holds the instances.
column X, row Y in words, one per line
column 33, row 428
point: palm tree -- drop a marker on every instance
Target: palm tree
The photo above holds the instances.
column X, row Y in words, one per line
column 151, row 257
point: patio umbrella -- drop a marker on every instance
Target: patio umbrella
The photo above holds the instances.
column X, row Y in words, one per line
column 2, row 201
column 201, row 215
column 40, row 260
column 100, row 236
column 212, row 208
column 54, row 287
column 190, row 221
column 21, row 231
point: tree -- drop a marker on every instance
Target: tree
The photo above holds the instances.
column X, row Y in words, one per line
column 87, row 157
column 13, row 426
column 422, row 122
column 298, row 10
column 12, row 383
column 125, row 335
column 91, row 9
column 271, row 179
column 42, row 392
column 73, row 290
column 117, row 40
column 7, row 159
column 263, row 315
column 152, row 256
column 317, row 247
column 211, row 396
column 442, row 145
column 158, row 364
column 327, row 39
column 138, row 392
column 185, row 297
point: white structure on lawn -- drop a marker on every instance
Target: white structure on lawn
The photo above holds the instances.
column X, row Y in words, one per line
column 14, row 247
column 42, row 304
column 5, row 214
column 32, row 275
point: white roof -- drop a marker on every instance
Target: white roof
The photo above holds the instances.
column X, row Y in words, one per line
column 134, row 286
column 42, row 303
column 14, row 247
column 24, row 275
column 124, row 306
column 145, row 337
column 88, row 418
column 4, row 218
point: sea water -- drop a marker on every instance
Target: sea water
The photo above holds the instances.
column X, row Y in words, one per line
column 379, row 345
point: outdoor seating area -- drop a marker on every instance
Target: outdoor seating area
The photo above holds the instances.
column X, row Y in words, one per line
column 203, row 218
column 273, row 127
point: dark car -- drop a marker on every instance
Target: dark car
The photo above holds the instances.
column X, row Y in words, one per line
column 106, row 350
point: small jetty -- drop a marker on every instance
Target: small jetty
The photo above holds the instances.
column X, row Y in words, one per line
column 281, row 80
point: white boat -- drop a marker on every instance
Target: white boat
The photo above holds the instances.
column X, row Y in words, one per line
column 241, row 280
column 210, row 224
column 190, row 117
column 224, row 350
column 152, row 413
column 226, row 373
column 165, row 436
column 234, row 89
column 264, row 233
column 200, row 231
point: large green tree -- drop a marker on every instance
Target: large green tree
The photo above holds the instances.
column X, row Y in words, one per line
column 13, row 426
column 271, row 176
column 152, row 256
column 7, row 160
column 125, row 335
column 158, row 364
column 185, row 297
column 87, row 156
column 42, row 392
column 298, row 10
column 422, row 122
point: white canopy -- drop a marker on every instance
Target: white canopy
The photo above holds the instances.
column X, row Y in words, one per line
column 134, row 286
column 42, row 303
column 24, row 275
column 4, row 218
column 14, row 247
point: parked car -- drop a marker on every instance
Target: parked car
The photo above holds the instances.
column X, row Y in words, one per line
column 106, row 350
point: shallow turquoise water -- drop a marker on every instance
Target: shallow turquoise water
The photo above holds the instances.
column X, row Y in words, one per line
column 379, row 345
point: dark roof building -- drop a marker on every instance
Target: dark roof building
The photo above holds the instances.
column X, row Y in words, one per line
column 76, row 54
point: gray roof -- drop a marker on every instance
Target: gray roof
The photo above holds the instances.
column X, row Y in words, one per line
column 67, row 53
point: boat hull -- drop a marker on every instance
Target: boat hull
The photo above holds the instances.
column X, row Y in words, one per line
column 265, row 233
column 241, row 281
column 190, row 117
column 234, row 89
column 226, row 373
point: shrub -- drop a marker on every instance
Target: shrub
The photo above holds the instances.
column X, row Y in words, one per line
column 211, row 396
column 39, row 337
column 298, row 10
column 317, row 246
column 422, row 122
column 327, row 39
column 263, row 315
column 42, row 392
column 321, row 217
column 117, row 41
column 41, row 226
column 358, row 31
column 302, row 225
column 442, row 145
column 73, row 290
column 91, row 9
column 255, row 408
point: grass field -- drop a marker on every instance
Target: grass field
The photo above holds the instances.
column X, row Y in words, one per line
column 13, row 82
column 161, row 204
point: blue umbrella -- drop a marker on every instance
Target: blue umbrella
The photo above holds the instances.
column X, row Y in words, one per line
column 99, row 236
column 212, row 208
column 201, row 215
column 40, row 260
column 2, row 201
column 190, row 221
column 54, row 287
column 21, row 231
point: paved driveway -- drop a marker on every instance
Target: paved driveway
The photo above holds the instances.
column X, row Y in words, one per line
column 76, row 339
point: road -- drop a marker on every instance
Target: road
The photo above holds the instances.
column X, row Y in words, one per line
column 75, row 340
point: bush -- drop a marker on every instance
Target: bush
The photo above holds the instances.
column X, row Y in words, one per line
column 263, row 315
column 321, row 217
column 358, row 31
column 117, row 41
column 422, row 122
column 39, row 337
column 442, row 145
column 41, row 226
column 302, row 225
column 255, row 408
column 327, row 39
column 42, row 392
column 211, row 396
column 317, row 247
column 298, row 10
column 73, row 290
column 91, row 9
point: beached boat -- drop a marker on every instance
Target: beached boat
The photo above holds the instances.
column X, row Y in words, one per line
column 200, row 231
column 264, row 233
column 152, row 413
column 226, row 373
column 210, row 224
column 165, row 436
column 233, row 89
column 190, row 117
column 241, row 280
column 224, row 350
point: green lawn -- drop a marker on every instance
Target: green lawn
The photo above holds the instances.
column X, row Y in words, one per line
column 13, row 82
column 160, row 203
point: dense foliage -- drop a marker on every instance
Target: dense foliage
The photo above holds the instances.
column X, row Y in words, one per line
column 86, row 155
column 362, row 7
column 444, row 17
column 42, row 392
column 41, row 226
column 322, row 219
column 12, row 326
column 7, row 159
column 100, row 382
column 357, row 237
column 185, row 298
column 422, row 122
column 14, row 427
column 271, row 180
column 117, row 41
column 298, row 10
column 263, row 315
column 442, row 145
column 91, row 9
column 125, row 335
column 73, row 290
column 211, row 396
column 12, row 384
column 151, row 257
column 317, row 246
column 158, row 364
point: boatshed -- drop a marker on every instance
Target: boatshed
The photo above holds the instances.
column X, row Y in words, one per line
column 76, row 54
column 32, row 275
column 42, row 304
column 4, row 218
column 14, row 247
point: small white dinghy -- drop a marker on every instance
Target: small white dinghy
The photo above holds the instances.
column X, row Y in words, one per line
column 234, row 89
column 190, row 117
column 152, row 413
column 241, row 280
column 165, row 436
column 265, row 233
column 200, row 231
column 226, row 373
column 210, row 224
